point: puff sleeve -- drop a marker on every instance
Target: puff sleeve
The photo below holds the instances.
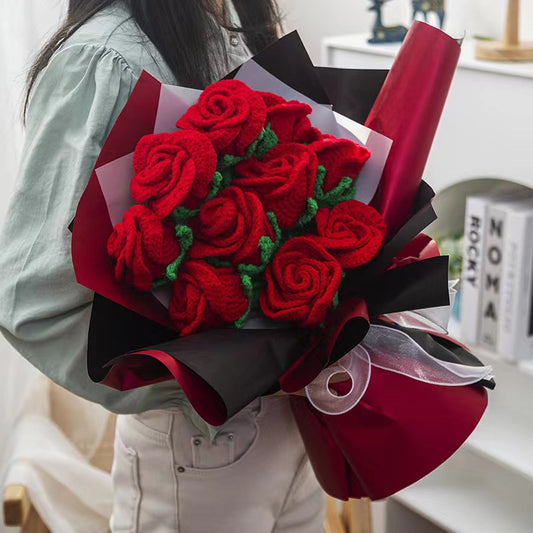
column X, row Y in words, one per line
column 44, row 313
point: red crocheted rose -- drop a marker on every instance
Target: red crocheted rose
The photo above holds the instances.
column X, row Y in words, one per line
column 301, row 282
column 229, row 226
column 142, row 246
column 205, row 297
column 340, row 157
column 283, row 180
column 171, row 169
column 352, row 232
column 229, row 113
column 289, row 120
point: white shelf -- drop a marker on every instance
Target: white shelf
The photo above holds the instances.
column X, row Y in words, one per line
column 469, row 494
column 505, row 433
column 359, row 43
column 507, row 440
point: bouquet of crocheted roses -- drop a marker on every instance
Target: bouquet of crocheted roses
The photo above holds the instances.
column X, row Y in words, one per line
column 256, row 236
column 245, row 207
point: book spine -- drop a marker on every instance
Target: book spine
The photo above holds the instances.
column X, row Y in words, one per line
column 472, row 268
column 512, row 285
column 523, row 334
column 491, row 278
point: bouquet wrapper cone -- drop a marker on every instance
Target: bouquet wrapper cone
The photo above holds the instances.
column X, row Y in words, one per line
column 400, row 431
column 407, row 110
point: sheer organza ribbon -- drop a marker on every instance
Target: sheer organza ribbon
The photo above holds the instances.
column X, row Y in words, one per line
column 394, row 351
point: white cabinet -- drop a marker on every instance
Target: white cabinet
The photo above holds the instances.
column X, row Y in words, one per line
column 486, row 131
column 487, row 125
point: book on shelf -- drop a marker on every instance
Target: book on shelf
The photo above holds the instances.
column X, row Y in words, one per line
column 515, row 327
column 491, row 275
column 471, row 272
column 497, row 259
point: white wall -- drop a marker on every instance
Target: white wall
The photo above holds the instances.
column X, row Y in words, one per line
column 315, row 19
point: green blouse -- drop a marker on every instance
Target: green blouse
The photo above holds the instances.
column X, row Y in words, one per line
column 44, row 313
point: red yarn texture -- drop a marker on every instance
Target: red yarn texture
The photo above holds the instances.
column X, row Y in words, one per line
column 205, row 297
column 171, row 169
column 229, row 227
column 289, row 119
column 340, row 157
column 284, row 179
column 142, row 246
column 301, row 283
column 352, row 232
column 229, row 113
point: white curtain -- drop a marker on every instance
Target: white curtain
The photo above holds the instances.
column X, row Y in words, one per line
column 24, row 27
column 34, row 451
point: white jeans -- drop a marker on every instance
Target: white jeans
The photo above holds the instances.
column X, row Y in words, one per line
column 253, row 478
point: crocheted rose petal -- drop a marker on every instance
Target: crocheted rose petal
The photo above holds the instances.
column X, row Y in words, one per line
column 230, row 113
column 352, row 232
column 205, row 297
column 283, row 180
column 230, row 226
column 142, row 246
column 289, row 119
column 301, row 283
column 172, row 169
column 340, row 157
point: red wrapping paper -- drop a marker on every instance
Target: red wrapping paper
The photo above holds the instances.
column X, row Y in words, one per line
column 407, row 110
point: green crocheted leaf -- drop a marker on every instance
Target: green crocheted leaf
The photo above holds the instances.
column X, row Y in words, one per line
column 343, row 191
column 267, row 142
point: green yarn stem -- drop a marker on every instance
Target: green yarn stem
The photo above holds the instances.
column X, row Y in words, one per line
column 310, row 213
column 185, row 238
column 228, row 161
column 181, row 214
column 319, row 182
column 335, row 301
column 343, row 191
column 159, row 283
column 216, row 185
column 227, row 177
column 267, row 249
column 251, row 270
column 217, row 262
column 248, row 287
column 267, row 246
column 271, row 217
column 266, row 140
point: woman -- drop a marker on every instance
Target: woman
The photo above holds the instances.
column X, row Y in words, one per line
column 172, row 472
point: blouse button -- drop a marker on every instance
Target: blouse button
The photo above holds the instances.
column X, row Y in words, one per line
column 234, row 40
column 197, row 442
column 180, row 469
